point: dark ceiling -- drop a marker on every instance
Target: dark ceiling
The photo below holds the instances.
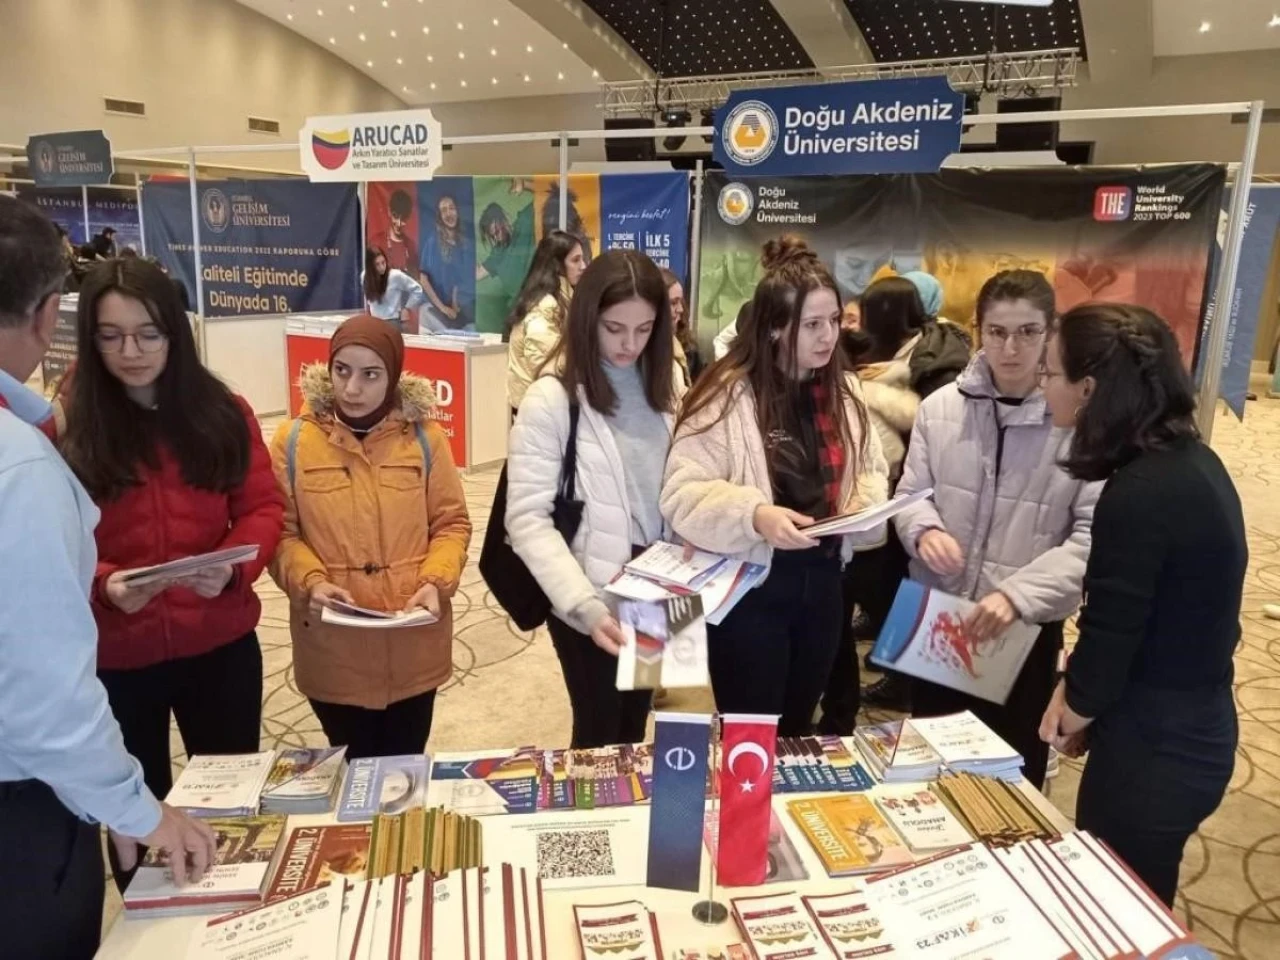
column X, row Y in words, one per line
column 928, row 29
column 686, row 38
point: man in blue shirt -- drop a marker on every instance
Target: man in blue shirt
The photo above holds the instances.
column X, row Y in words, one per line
column 63, row 765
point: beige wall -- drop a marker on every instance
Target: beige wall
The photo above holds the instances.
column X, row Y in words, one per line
column 201, row 66
column 519, row 114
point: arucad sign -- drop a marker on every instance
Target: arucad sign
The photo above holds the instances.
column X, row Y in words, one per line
column 399, row 145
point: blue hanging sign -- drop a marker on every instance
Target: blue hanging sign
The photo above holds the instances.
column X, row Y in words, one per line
column 864, row 126
column 76, row 159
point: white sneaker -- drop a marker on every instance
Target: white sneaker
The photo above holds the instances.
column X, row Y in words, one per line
column 1053, row 767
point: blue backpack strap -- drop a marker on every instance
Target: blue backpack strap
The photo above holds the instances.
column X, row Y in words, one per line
column 426, row 448
column 291, row 454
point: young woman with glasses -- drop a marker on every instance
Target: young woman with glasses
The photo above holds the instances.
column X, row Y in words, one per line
column 1007, row 526
column 176, row 463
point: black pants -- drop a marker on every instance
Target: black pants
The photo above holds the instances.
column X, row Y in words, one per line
column 216, row 698
column 602, row 714
column 1018, row 719
column 402, row 728
column 1159, row 764
column 50, row 874
column 871, row 582
column 773, row 653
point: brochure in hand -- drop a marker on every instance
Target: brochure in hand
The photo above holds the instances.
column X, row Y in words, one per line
column 867, row 519
column 349, row 615
column 666, row 644
column 925, row 636
column 186, row 566
column 665, row 563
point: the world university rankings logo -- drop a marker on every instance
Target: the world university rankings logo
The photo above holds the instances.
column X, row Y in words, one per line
column 750, row 132
column 735, row 203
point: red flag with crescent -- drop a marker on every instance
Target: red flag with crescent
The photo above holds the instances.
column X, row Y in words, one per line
column 746, row 789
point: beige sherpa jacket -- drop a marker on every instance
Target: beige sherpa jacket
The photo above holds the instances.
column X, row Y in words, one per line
column 892, row 403
column 716, row 477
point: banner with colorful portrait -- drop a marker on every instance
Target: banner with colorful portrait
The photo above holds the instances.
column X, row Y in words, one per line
column 1140, row 235
column 469, row 240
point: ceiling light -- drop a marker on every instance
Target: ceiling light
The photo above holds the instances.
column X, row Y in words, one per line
column 405, row 89
column 560, row 75
column 368, row 63
column 495, row 21
column 493, row 51
column 426, row 30
column 430, row 58
column 384, row 3
column 399, row 61
column 595, row 74
column 393, row 34
column 528, row 48
column 462, row 55
column 1205, row 26
column 288, row 16
column 463, row 82
column 494, row 81
column 351, row 7
column 459, row 24
column 333, row 40
column 526, row 78
column 319, row 12
column 363, row 38
column 1275, row 20
column 433, row 83
column 565, row 45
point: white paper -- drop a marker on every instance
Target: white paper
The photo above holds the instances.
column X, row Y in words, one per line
column 372, row 620
column 625, row 929
column 1083, row 935
column 586, row 849
column 304, row 927
column 779, row 927
column 962, row 738
column 665, row 563
column 222, row 782
column 186, row 566
column 850, row 926
column 357, row 911
column 867, row 519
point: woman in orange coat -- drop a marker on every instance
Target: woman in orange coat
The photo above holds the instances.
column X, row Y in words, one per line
column 375, row 517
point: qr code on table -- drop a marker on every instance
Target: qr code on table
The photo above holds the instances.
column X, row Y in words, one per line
column 574, row 853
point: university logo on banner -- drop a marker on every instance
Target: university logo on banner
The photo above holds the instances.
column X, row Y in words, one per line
column 73, row 159
column 750, row 133
column 395, row 145
column 680, row 760
column 1113, row 204
column 735, row 203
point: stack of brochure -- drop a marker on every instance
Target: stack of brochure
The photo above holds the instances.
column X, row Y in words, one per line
column 304, row 780
column 967, row 745
column 661, row 573
column 223, row 785
column 896, row 753
column 388, row 785
column 627, row 929
column 236, row 878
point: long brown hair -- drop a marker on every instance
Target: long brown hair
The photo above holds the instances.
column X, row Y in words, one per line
column 683, row 329
column 614, row 277
column 109, row 437
column 768, row 329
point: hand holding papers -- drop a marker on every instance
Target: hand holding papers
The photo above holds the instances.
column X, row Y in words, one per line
column 349, row 615
column 188, row 566
column 868, row 519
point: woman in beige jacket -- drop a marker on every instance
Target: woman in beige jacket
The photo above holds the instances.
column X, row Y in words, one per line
column 773, row 438
column 538, row 314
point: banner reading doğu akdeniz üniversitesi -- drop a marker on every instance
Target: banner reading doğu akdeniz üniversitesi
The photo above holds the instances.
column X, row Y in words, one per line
column 266, row 246
column 470, row 240
column 1123, row 234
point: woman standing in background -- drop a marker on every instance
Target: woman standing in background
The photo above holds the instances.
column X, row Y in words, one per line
column 390, row 294
column 1007, row 527
column 376, row 517
column 1148, row 689
column 686, row 344
column 533, row 328
column 176, row 463
column 771, row 439
column 613, row 376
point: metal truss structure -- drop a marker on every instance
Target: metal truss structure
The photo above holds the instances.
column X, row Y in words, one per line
column 1008, row 74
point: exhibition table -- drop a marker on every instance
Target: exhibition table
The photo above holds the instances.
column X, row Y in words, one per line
column 166, row 939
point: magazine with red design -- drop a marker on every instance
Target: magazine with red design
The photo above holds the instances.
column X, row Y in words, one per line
column 925, row 636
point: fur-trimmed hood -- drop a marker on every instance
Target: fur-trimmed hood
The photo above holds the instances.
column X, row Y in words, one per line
column 417, row 396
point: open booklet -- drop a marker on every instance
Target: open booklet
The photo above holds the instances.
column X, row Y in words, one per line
column 867, row 519
column 185, row 567
column 349, row 615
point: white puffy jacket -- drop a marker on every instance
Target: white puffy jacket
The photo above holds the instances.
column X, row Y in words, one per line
column 571, row 577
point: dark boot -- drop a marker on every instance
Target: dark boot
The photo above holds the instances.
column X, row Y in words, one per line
column 890, row 692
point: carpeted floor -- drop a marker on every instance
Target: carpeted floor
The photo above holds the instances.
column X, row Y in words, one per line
column 506, row 690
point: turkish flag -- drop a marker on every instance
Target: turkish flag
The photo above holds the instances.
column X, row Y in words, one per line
column 746, row 788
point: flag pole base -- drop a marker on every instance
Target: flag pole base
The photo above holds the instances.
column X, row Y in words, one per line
column 710, row 913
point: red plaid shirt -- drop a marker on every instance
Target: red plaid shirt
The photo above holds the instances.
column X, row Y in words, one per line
column 831, row 452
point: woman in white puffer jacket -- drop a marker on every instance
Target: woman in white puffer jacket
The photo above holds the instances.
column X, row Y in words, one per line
column 615, row 363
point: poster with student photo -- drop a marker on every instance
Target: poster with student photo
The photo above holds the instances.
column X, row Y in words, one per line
column 1140, row 235
column 582, row 213
column 505, row 238
column 392, row 224
column 446, row 213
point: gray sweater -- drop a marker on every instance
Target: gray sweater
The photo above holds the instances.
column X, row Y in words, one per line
column 643, row 438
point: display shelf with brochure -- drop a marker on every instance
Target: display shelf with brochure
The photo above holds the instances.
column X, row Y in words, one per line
column 188, row 566
column 865, row 520
column 925, row 636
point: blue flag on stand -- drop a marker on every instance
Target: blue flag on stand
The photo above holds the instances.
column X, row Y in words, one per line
column 681, row 744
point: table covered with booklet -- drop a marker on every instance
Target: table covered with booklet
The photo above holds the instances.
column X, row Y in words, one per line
column 898, row 842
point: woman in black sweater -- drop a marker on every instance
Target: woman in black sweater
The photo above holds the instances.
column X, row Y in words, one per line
column 1148, row 687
